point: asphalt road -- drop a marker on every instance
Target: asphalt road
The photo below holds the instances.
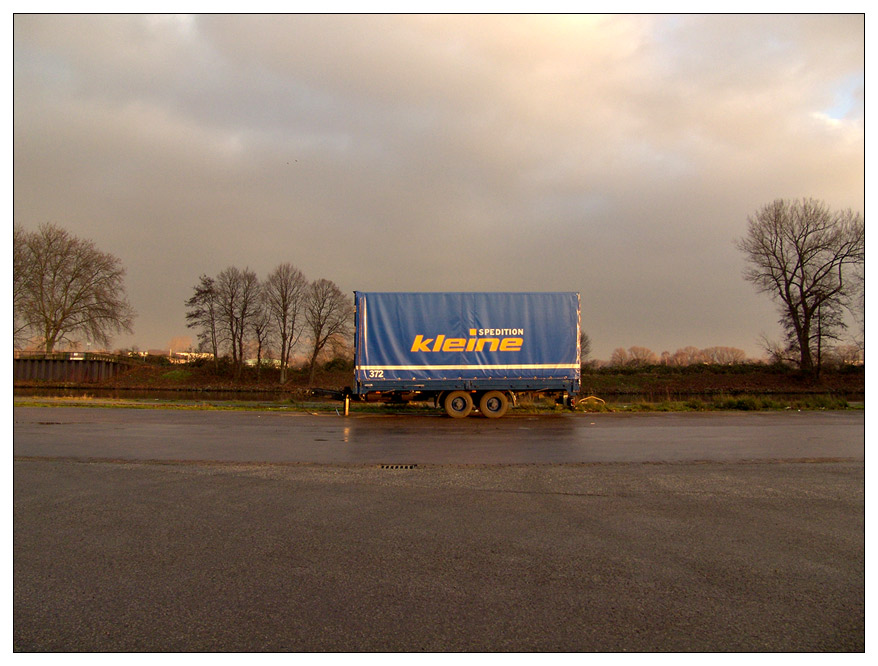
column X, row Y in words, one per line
column 294, row 437
column 127, row 540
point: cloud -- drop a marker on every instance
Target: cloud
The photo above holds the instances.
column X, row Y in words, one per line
column 616, row 155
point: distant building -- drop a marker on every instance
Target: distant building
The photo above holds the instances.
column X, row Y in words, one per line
column 171, row 356
column 266, row 362
column 188, row 357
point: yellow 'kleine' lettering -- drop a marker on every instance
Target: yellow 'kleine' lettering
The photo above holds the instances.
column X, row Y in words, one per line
column 454, row 344
column 511, row 344
column 473, row 343
column 420, row 344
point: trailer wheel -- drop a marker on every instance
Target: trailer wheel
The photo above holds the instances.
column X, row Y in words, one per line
column 494, row 404
column 458, row 404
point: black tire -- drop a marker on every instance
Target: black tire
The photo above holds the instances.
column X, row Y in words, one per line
column 494, row 404
column 458, row 404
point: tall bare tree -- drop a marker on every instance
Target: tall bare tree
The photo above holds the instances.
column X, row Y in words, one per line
column 238, row 293
column 802, row 253
column 64, row 287
column 202, row 313
column 285, row 291
column 260, row 325
column 328, row 315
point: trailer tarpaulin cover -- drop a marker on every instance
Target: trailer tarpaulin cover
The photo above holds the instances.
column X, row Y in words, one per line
column 439, row 336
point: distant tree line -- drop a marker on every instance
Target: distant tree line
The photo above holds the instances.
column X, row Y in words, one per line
column 235, row 311
column 641, row 357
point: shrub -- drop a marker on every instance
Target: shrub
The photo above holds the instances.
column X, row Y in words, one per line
column 742, row 403
column 339, row 363
column 178, row 375
column 821, row 402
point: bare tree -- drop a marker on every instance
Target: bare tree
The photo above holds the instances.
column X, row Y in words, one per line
column 619, row 357
column 584, row 347
column 260, row 325
column 64, row 286
column 801, row 253
column 687, row 356
column 328, row 314
column 641, row 356
column 202, row 313
column 237, row 291
column 285, row 291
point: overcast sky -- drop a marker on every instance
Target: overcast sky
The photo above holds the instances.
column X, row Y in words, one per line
column 615, row 156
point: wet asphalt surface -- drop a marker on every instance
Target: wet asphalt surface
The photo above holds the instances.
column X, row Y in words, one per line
column 296, row 437
column 127, row 540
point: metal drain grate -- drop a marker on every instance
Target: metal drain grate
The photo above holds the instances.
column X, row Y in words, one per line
column 398, row 466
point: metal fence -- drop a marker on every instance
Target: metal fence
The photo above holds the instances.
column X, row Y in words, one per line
column 67, row 367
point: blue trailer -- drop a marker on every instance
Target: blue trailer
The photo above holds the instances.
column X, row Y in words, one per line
column 466, row 351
